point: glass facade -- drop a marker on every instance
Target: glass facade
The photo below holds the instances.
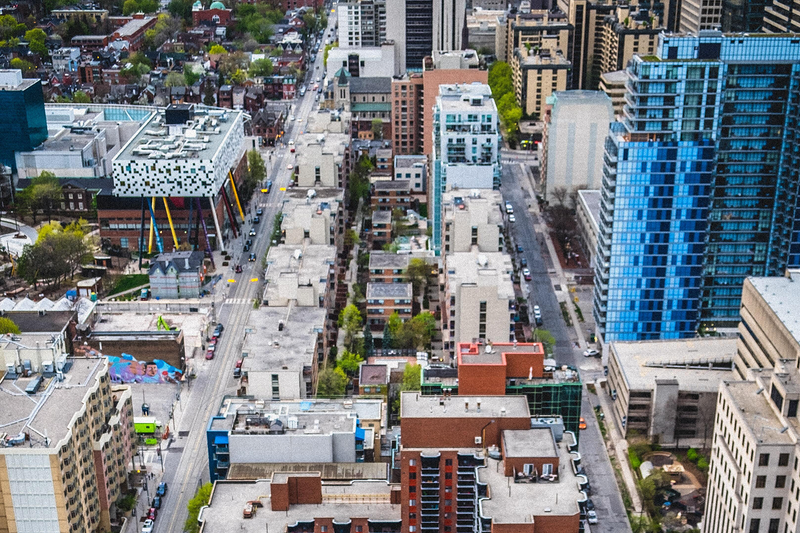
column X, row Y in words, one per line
column 700, row 184
column 23, row 125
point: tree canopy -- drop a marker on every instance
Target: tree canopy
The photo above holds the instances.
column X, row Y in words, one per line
column 195, row 504
column 42, row 194
column 261, row 67
column 331, row 383
column 7, row 326
column 217, row 49
column 135, row 6
column 510, row 112
column 351, row 322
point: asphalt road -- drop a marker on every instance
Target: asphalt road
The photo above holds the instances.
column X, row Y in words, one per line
column 541, row 291
column 186, row 461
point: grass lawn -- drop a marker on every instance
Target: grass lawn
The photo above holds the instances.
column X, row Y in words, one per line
column 129, row 282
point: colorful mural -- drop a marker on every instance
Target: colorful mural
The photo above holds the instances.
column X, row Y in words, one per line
column 127, row 369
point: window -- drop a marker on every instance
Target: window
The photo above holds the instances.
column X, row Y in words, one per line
column 763, row 459
column 323, row 528
column 448, row 462
column 412, row 475
column 413, row 488
column 783, row 459
column 777, row 504
column 412, row 503
column 758, row 503
column 761, row 482
column 412, row 462
column 755, row 523
column 359, row 529
column 123, row 242
column 773, row 525
column 780, row 482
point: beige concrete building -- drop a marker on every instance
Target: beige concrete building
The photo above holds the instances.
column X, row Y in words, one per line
column 697, row 15
column 479, row 300
column 536, row 30
column 472, row 218
column 753, row 479
column 588, row 212
column 574, row 142
column 769, row 330
column 666, row 390
column 613, row 84
column 313, row 220
column 482, row 28
column 66, row 449
column 537, row 76
column 782, row 16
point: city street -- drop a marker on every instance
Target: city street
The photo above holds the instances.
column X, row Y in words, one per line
column 541, row 290
column 186, row 460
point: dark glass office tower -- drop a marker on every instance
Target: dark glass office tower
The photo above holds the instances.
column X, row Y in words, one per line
column 419, row 32
column 700, row 184
column 743, row 15
column 23, row 125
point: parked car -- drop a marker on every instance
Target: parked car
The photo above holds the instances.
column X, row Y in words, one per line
column 591, row 353
column 605, row 370
column 591, row 516
column 210, row 352
column 526, row 273
column 246, row 248
column 147, row 527
column 252, row 232
column 582, row 423
column 151, row 513
column 249, row 242
column 509, row 208
column 157, row 502
column 256, row 220
column 259, row 211
column 289, row 166
column 252, row 257
column 589, row 505
column 520, row 249
column 523, row 262
column 162, row 489
column 537, row 315
column 512, row 218
column 237, row 370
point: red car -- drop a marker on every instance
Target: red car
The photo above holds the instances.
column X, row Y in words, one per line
column 151, row 514
column 210, row 352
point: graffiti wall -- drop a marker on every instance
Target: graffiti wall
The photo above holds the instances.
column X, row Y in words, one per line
column 127, row 369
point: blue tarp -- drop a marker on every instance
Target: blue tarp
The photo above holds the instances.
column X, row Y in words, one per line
column 221, row 439
column 360, row 433
column 306, row 406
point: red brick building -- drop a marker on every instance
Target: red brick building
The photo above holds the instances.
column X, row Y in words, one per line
column 215, row 15
column 485, row 369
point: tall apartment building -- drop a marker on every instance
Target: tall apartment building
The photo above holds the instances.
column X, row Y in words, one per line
column 536, row 29
column 361, row 23
column 479, row 300
column 418, row 31
column 24, row 126
column 699, row 185
column 527, row 483
column 697, row 15
column 782, row 16
column 766, row 331
column 473, row 218
column 67, row 448
column 575, row 134
column 537, row 75
column 743, row 15
column 407, row 114
column 449, row 25
column 607, row 35
column 466, row 151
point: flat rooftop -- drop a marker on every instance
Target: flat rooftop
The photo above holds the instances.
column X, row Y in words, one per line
column 253, row 421
column 382, row 217
column 200, row 138
column 484, row 269
column 365, row 408
column 328, row 471
column 379, row 291
column 340, row 502
column 387, row 259
column 293, row 348
column 755, row 410
column 392, row 185
column 133, row 26
column 698, row 364
column 615, row 77
column 312, row 267
column 534, row 442
column 66, row 140
column 591, row 201
column 483, row 205
column 416, row 405
column 515, row 503
column 48, row 412
column 781, row 295
column 450, row 96
column 408, row 161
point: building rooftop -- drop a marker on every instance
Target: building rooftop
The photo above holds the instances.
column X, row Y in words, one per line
column 543, row 59
column 292, row 348
column 482, row 354
column 133, row 26
column 381, row 291
column 392, row 185
column 379, row 259
column 290, row 266
column 48, row 413
column 373, row 374
column 181, row 261
column 516, row 503
column 382, row 217
column 328, row 471
column 591, row 201
column 617, row 77
column 340, row 502
column 465, row 97
column 415, row 405
column 780, row 293
column 534, row 442
column 697, row 364
column 365, row 408
column 200, row 138
column 370, row 85
column 483, row 269
column 484, row 205
column 69, row 140
column 758, row 415
column 406, row 161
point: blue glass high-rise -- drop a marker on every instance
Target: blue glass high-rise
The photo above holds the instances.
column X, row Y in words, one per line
column 700, row 184
column 23, row 125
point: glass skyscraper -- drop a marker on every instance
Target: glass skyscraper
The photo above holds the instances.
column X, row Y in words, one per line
column 700, row 184
column 23, row 125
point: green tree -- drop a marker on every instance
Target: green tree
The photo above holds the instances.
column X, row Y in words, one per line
column 7, row 326
column 190, row 77
column 393, row 332
column 35, row 39
column 261, row 67
column 350, row 322
column 412, row 375
column 217, row 49
column 43, row 193
column 238, row 77
column 181, row 9
column 208, row 97
column 417, row 273
column 175, row 79
column 500, row 76
column 349, row 362
column 328, row 48
column 9, row 27
column 419, row 331
column 80, row 97
column 258, row 170
column 331, row 383
column 26, row 67
column 377, row 129
column 546, row 338
column 195, row 504
column 230, row 63
column 129, row 7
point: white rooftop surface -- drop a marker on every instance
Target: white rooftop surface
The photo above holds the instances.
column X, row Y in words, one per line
column 416, row 405
column 515, row 503
column 224, row 514
column 389, row 290
column 380, row 260
column 642, row 362
column 451, row 99
column 48, row 412
column 464, row 268
column 783, row 296
column 365, row 408
column 591, row 199
column 755, row 409
column 311, row 268
column 485, row 203
column 294, row 347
